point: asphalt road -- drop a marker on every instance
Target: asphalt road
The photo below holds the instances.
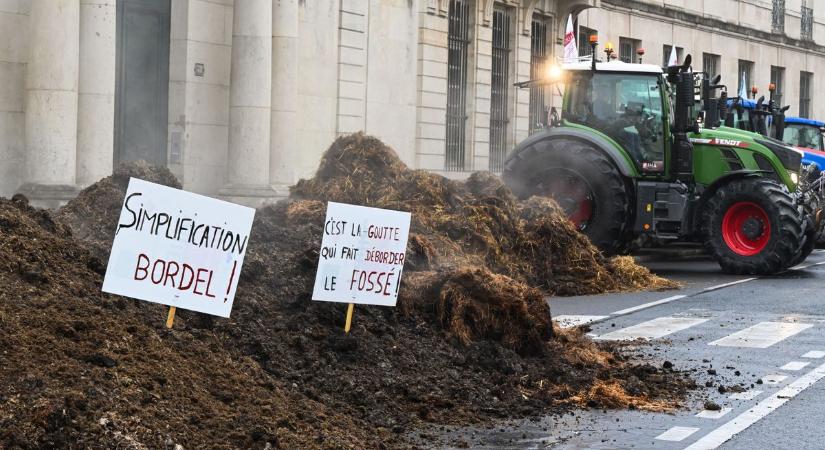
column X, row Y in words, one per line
column 764, row 333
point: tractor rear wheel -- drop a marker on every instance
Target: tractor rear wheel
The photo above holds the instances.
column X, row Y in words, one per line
column 583, row 180
column 752, row 227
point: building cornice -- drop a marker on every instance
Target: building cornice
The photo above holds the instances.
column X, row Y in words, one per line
column 717, row 25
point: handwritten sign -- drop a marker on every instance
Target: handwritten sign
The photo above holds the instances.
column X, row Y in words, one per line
column 362, row 255
column 178, row 248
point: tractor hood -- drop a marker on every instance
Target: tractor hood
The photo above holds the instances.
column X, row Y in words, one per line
column 790, row 157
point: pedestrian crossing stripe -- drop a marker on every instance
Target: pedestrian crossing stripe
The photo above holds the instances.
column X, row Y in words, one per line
column 653, row 329
column 762, row 335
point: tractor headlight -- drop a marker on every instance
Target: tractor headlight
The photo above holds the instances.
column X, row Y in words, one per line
column 553, row 72
column 794, row 177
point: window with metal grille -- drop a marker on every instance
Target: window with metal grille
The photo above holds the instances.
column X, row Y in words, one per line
column 710, row 64
column 584, row 40
column 499, row 88
column 805, row 80
column 538, row 66
column 745, row 75
column 807, row 23
column 666, row 52
column 458, row 42
column 627, row 49
column 778, row 17
column 778, row 78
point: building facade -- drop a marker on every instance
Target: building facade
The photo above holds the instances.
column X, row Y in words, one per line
column 239, row 98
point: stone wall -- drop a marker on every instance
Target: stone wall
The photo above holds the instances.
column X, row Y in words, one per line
column 14, row 21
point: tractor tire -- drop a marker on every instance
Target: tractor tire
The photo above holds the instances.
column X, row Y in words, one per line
column 809, row 238
column 532, row 171
column 753, row 227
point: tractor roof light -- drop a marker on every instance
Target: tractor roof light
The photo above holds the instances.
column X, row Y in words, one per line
column 754, row 90
column 594, row 41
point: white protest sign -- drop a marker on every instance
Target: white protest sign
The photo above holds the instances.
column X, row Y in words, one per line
column 362, row 255
column 178, row 248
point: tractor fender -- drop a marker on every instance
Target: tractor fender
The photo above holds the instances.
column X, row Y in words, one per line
column 599, row 142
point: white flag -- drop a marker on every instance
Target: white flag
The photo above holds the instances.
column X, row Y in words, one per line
column 743, row 90
column 672, row 60
column 571, row 51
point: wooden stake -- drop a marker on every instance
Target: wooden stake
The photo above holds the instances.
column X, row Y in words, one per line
column 350, row 308
column 170, row 319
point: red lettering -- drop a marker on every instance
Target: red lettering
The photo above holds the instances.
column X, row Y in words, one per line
column 198, row 280
column 162, row 270
column 362, row 281
column 170, row 275
column 381, row 283
column 389, row 282
column 208, row 285
column 186, row 267
column 369, row 281
column 138, row 268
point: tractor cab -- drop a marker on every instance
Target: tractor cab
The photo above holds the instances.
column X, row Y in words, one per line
column 743, row 115
column 627, row 102
column 806, row 136
column 804, row 133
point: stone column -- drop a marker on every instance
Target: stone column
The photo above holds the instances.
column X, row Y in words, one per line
column 249, row 104
column 96, row 90
column 284, row 95
column 51, row 102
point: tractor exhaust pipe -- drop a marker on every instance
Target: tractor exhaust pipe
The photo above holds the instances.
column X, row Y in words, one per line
column 683, row 122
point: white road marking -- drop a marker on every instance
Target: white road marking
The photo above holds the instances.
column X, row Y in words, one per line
column 774, row 378
column 676, row 297
column 747, row 395
column 814, row 354
column 647, row 305
column 762, row 335
column 724, row 285
column 738, row 424
column 676, row 434
column 569, row 321
column 794, row 365
column 708, row 414
column 653, row 329
column 805, row 266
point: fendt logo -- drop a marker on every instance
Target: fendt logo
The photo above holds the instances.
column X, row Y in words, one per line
column 728, row 142
column 721, row 142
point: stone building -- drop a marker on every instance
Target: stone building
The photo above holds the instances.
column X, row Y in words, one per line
column 239, row 98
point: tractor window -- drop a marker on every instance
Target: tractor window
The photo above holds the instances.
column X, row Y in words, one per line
column 626, row 107
column 805, row 136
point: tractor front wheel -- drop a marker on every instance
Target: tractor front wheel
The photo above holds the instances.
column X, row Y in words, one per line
column 808, row 240
column 753, row 227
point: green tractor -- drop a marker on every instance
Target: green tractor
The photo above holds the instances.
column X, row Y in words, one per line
column 630, row 164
